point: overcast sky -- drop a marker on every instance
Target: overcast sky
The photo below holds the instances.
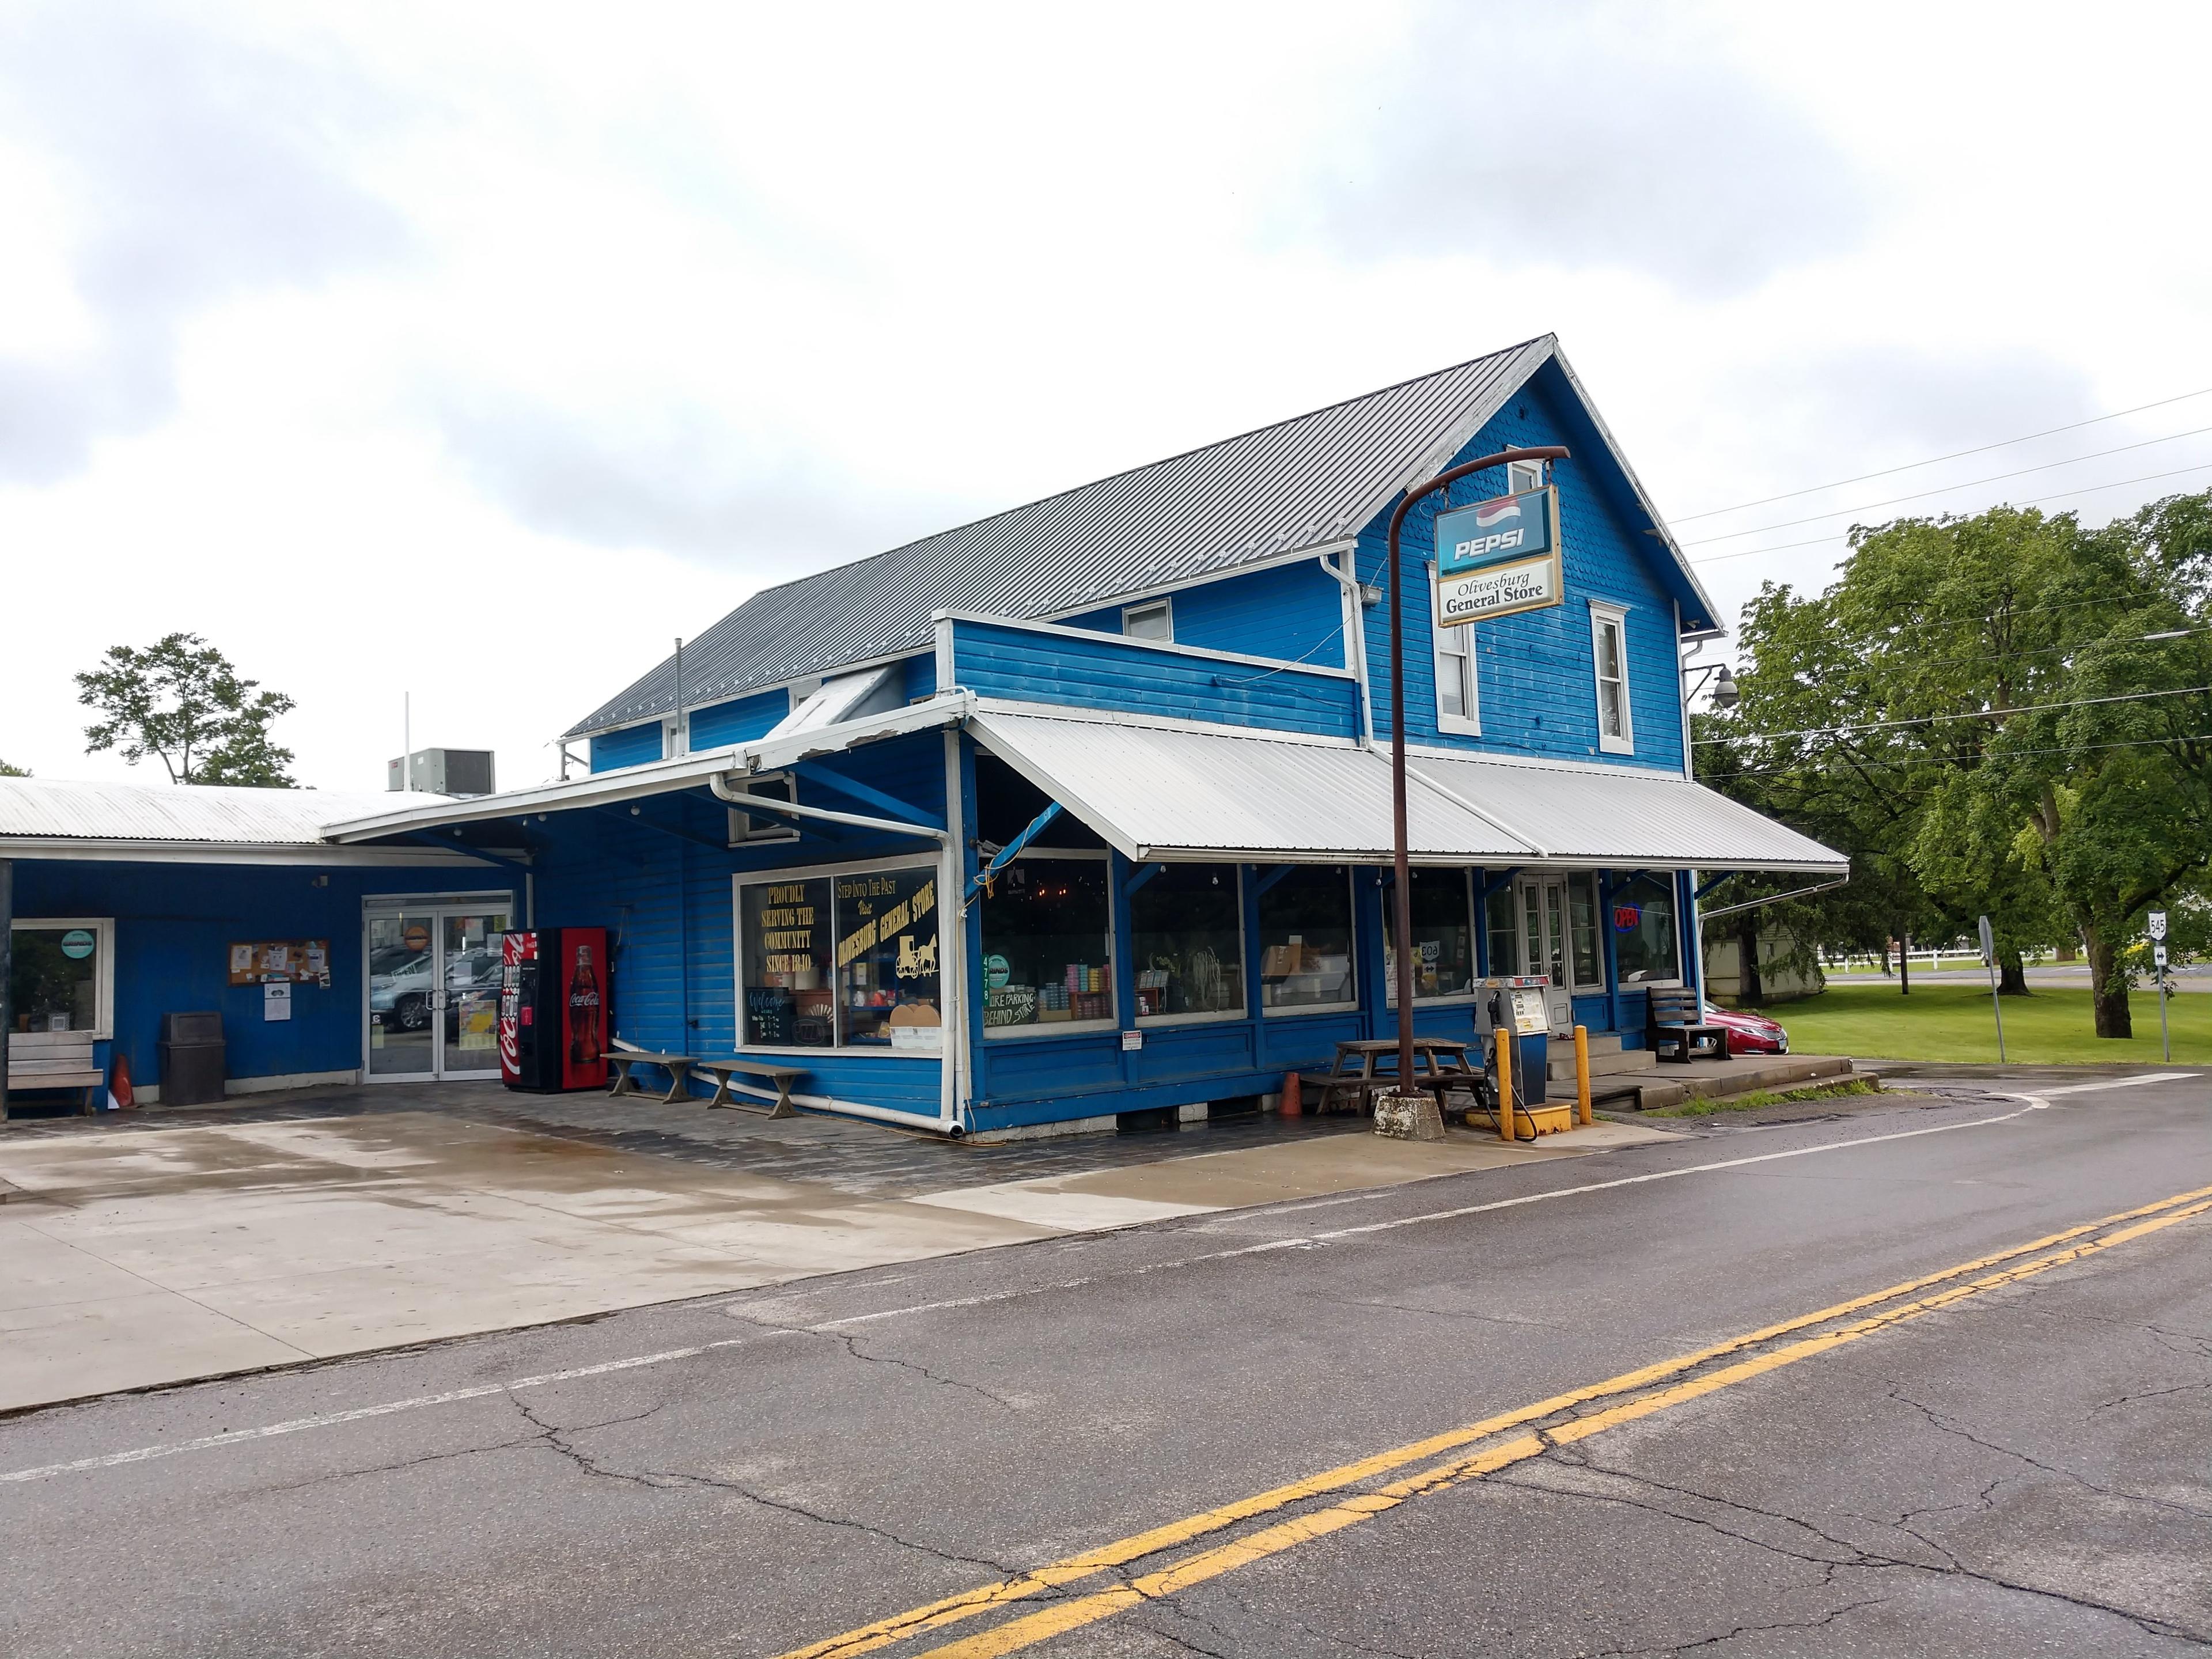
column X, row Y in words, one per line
column 475, row 351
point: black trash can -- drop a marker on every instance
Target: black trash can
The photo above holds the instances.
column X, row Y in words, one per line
column 192, row 1052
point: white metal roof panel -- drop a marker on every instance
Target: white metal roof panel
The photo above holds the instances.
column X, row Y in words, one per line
column 1626, row 816
column 1178, row 792
column 50, row 809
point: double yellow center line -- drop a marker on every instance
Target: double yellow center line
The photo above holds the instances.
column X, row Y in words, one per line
column 1650, row 1388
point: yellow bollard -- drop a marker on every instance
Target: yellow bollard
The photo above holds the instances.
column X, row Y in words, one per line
column 1582, row 1074
column 1505, row 1036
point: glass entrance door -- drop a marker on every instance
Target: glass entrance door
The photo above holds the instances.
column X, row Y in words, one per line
column 434, row 992
column 1558, row 932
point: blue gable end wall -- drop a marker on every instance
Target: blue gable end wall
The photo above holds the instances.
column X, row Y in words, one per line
column 738, row 721
column 1292, row 613
column 1537, row 679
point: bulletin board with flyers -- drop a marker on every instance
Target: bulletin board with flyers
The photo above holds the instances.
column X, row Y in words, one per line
column 295, row 960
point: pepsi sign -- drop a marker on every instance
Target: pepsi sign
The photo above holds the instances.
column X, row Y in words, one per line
column 1498, row 557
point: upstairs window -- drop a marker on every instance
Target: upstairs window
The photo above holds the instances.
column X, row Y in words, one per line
column 1459, row 707
column 1152, row 621
column 1521, row 476
column 1616, row 731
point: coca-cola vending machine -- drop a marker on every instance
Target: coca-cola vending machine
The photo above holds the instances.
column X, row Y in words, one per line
column 554, row 1009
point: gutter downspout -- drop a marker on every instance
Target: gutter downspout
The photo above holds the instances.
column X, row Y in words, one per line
column 1355, row 637
column 951, row 936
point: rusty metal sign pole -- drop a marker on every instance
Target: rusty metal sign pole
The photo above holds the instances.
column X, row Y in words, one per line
column 1403, row 912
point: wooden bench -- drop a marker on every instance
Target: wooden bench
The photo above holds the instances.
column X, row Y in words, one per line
column 55, row 1060
column 1674, row 1019
column 785, row 1078
column 678, row 1067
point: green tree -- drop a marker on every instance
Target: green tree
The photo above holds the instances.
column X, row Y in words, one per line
column 1962, row 712
column 180, row 699
column 8, row 771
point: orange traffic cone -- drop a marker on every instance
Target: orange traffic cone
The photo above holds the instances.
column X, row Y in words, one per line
column 119, row 1087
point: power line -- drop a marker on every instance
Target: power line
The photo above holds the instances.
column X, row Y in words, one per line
column 2032, row 500
column 1956, row 454
column 1945, row 489
column 1984, row 759
column 1969, row 714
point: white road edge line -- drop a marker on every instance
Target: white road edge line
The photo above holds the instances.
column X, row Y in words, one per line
column 452, row 1397
column 2120, row 1083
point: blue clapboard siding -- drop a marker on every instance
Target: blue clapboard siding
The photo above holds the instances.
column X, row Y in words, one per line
column 1536, row 674
column 174, row 924
column 633, row 745
column 920, row 677
column 1029, row 665
column 739, row 720
column 1292, row 613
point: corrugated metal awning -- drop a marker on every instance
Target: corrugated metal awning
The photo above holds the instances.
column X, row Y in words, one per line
column 1180, row 792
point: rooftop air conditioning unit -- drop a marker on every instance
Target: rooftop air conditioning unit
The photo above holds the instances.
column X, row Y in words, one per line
column 443, row 772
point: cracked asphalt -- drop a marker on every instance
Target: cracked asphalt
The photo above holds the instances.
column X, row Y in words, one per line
column 2029, row 1471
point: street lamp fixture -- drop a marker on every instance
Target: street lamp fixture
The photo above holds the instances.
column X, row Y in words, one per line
column 1725, row 696
column 1401, row 898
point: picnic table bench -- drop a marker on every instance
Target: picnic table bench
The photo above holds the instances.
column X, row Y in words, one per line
column 785, row 1078
column 40, row 1059
column 1439, row 1067
column 678, row 1067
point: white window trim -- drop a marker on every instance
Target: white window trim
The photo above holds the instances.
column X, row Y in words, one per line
column 1165, row 605
column 1210, row 1016
column 1602, row 616
column 746, row 878
column 1293, row 1011
column 1521, row 476
column 1041, row 1030
column 103, row 930
column 1468, row 725
column 1539, row 878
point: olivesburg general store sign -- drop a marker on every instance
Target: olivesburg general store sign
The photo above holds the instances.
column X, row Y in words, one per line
column 1498, row 557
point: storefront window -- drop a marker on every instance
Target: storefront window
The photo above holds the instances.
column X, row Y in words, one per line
column 887, row 988
column 1186, row 927
column 1305, row 938
column 790, row 999
column 60, row 972
column 1046, row 958
column 1505, row 930
column 1444, row 936
column 1643, row 939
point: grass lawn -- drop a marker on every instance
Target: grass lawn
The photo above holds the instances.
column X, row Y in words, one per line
column 2053, row 1026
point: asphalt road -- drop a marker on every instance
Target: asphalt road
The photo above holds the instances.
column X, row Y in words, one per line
column 2004, row 1451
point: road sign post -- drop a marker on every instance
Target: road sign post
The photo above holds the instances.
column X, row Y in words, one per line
column 1989, row 961
column 2158, row 965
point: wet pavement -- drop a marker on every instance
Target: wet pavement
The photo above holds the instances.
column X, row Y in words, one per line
column 141, row 1249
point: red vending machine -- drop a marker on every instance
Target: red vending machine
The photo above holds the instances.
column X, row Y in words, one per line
column 554, row 1009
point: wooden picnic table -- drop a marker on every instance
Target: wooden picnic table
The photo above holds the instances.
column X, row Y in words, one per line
column 1439, row 1067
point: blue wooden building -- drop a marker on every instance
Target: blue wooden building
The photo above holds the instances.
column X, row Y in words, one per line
column 1084, row 809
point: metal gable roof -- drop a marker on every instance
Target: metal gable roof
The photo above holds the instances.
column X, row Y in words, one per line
column 1300, row 484
column 54, row 810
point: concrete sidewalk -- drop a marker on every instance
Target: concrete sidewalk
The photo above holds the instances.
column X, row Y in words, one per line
column 137, row 1256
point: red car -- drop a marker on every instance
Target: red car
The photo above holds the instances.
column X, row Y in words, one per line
column 1748, row 1033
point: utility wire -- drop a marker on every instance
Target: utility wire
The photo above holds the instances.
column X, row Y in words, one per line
column 2033, row 500
column 1984, row 759
column 1956, row 454
column 1969, row 714
column 1945, row 489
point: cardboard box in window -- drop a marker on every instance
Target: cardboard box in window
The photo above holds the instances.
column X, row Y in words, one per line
column 916, row 1028
column 1281, row 961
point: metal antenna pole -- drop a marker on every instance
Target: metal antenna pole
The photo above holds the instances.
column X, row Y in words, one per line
column 1401, row 901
